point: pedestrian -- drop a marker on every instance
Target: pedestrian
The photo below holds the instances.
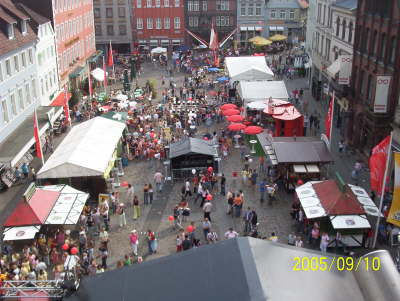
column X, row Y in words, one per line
column 130, row 192
column 152, row 241
column 25, row 170
column 231, row 234
column 188, row 191
column 150, row 194
column 158, row 178
column 146, row 194
column 103, row 236
column 206, row 225
column 186, row 244
column 207, row 210
column 253, row 177
column 134, row 241
column 104, row 255
column 121, row 214
column 237, row 205
column 324, row 242
column 291, row 239
column 229, row 198
column 104, row 211
column 212, row 237
column 262, row 189
column 341, row 147
column 247, row 217
column 299, row 242
column 136, row 208
column 223, row 181
column 315, row 235
column 273, row 237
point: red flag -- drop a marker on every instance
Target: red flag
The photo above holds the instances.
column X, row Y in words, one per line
column 90, row 85
column 66, row 106
column 39, row 152
column 105, row 73
column 328, row 119
column 110, row 56
column 377, row 164
column 213, row 39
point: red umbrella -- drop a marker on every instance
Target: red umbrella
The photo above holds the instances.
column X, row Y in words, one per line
column 236, row 127
column 230, row 112
column 253, row 130
column 228, row 106
column 235, row 118
column 212, row 93
column 247, row 123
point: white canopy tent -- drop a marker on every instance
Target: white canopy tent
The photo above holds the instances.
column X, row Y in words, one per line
column 250, row 91
column 248, row 68
column 86, row 151
column 158, row 50
column 98, row 74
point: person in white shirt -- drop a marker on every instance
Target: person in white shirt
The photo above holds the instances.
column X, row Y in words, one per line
column 231, row 234
column 207, row 207
column 298, row 242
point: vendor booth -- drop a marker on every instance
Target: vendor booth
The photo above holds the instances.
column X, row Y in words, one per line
column 44, row 205
column 295, row 158
column 192, row 153
column 248, row 68
column 250, row 91
column 339, row 208
column 86, row 157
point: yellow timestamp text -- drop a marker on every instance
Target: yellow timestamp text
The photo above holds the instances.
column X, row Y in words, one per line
column 340, row 263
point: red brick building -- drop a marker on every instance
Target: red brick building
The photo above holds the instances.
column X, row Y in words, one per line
column 75, row 37
column 376, row 53
column 158, row 23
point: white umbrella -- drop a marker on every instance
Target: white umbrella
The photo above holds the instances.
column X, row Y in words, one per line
column 158, row 50
column 257, row 105
column 98, row 74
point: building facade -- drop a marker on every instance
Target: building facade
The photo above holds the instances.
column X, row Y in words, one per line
column 287, row 17
column 46, row 57
column 251, row 20
column 112, row 22
column 73, row 25
column 158, row 23
column 373, row 99
column 18, row 73
column 200, row 15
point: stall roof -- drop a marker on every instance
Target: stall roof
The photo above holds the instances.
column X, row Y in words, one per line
column 86, row 151
column 350, row 222
column 248, row 68
column 191, row 145
column 236, row 269
column 262, row 90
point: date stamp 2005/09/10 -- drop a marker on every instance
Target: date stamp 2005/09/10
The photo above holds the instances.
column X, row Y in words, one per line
column 336, row 263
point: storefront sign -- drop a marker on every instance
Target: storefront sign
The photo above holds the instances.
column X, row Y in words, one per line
column 382, row 93
column 394, row 213
column 29, row 192
column 346, row 62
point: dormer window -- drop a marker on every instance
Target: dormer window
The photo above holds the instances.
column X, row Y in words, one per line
column 10, row 29
column 24, row 28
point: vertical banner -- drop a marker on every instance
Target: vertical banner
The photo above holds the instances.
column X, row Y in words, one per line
column 38, row 143
column 382, row 93
column 377, row 163
column 394, row 213
column 328, row 119
column 346, row 62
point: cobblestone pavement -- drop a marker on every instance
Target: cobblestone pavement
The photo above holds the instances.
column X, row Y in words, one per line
column 273, row 218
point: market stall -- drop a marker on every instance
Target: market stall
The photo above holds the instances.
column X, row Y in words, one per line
column 342, row 208
column 44, row 205
column 86, row 157
column 295, row 158
column 192, row 153
column 248, row 68
column 250, row 91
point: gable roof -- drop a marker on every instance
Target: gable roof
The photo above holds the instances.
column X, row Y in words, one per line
column 191, row 145
column 39, row 19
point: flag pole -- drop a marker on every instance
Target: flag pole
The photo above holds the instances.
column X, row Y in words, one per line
column 113, row 68
column 333, row 114
column 105, row 74
column 389, row 152
column 37, row 136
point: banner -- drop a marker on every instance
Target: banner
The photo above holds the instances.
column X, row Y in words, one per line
column 328, row 119
column 110, row 56
column 66, row 106
column 105, row 75
column 346, row 62
column 382, row 93
column 38, row 143
column 377, row 164
column 394, row 213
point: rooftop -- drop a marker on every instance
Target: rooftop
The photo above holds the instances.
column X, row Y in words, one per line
column 283, row 4
column 346, row 4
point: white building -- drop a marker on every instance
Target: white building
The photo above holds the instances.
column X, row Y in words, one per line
column 45, row 55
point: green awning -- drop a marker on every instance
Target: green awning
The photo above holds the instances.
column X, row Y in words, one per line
column 77, row 72
column 95, row 56
column 116, row 116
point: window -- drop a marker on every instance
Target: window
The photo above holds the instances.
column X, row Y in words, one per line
column 223, row 5
column 383, row 47
column 139, row 23
column 190, row 5
column 121, row 12
column 149, row 23
column 374, row 44
column 158, row 3
column 351, row 28
column 369, row 88
column 10, row 28
column 282, row 14
column 8, row 68
column 167, row 23
column 138, row 3
column 344, row 25
column 392, row 55
column 337, row 26
column 4, row 108
column 205, row 6
column 323, row 15
column 273, row 14
column 13, row 105
column 96, row 12
column 243, row 9
column 250, row 9
column 122, row 30
column 319, row 13
column 21, row 100
column 23, row 59
column 166, row 3
column 109, row 12
column 291, row 14
column 24, row 29
column 327, row 49
column 158, row 23
column 258, row 9
column 177, row 23
column 16, row 63
column 193, row 21
column 196, row 5
column 97, row 30
column 148, row 3
column 177, row 3
column 110, row 30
